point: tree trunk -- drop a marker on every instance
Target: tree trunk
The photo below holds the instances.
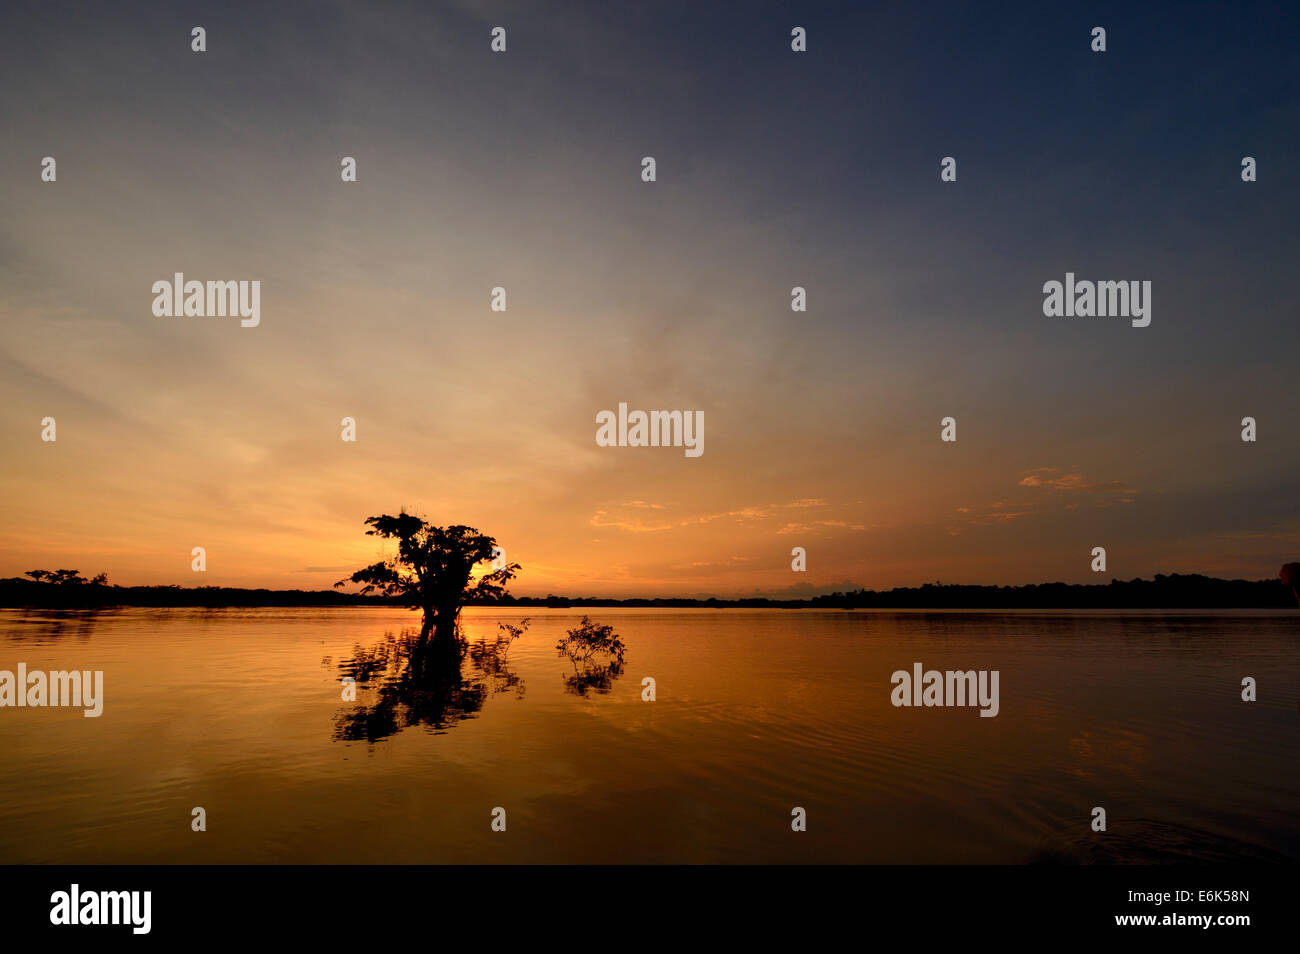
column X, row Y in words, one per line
column 439, row 624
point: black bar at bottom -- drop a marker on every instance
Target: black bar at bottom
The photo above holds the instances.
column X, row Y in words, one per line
column 675, row 905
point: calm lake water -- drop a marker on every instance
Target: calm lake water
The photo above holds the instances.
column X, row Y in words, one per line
column 757, row 712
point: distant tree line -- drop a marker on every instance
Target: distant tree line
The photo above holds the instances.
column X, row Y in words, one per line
column 67, row 588
column 1175, row 591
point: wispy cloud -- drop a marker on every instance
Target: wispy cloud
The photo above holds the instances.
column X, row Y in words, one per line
column 817, row 525
column 602, row 518
column 625, row 517
column 1052, row 478
column 1050, row 489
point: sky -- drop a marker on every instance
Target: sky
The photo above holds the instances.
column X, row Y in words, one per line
column 774, row 169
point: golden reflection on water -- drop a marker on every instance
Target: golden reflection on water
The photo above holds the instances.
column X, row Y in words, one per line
column 756, row 712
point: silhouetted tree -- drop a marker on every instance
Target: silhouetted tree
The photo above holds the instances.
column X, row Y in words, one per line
column 432, row 570
column 1290, row 576
column 585, row 646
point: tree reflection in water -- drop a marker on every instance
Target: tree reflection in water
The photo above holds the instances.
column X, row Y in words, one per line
column 596, row 653
column 417, row 681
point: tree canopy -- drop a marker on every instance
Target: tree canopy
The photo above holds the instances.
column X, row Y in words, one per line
column 433, row 568
column 67, row 578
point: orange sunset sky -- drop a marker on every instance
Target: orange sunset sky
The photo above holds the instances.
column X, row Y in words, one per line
column 523, row 171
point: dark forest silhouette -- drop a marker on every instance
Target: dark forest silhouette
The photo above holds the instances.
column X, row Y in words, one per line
column 1174, row 591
